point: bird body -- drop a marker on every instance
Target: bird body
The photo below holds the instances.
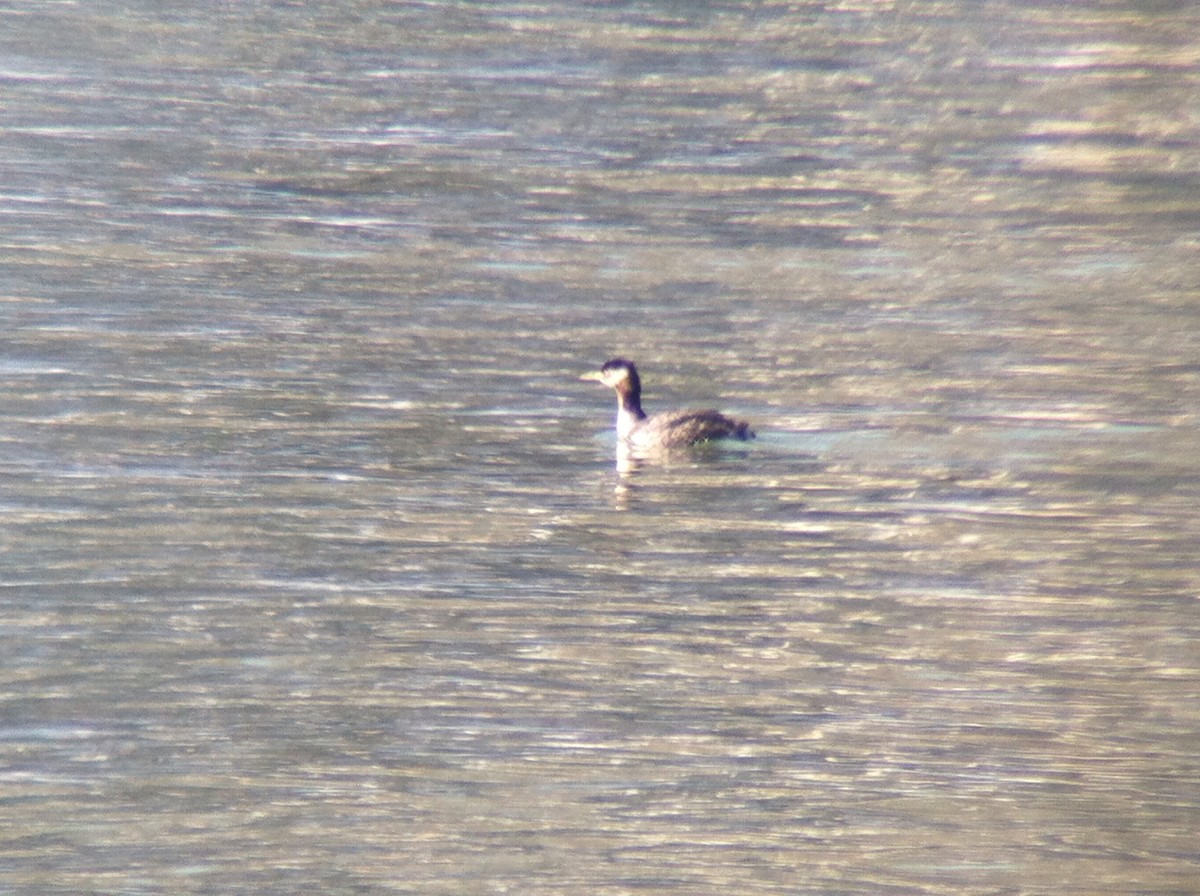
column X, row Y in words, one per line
column 663, row 431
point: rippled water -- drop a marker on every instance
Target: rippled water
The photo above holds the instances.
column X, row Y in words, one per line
column 317, row 572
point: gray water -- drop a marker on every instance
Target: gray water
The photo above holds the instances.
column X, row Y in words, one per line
column 316, row 571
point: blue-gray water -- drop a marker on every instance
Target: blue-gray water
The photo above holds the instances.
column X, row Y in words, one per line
column 316, row 572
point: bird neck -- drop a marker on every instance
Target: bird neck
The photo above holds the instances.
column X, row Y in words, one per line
column 629, row 412
column 630, row 402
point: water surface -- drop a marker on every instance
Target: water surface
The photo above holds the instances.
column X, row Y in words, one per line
column 316, row 569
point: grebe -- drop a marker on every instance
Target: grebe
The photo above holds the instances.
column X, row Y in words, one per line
column 671, row 429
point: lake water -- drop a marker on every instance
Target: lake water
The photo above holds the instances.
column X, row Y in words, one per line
column 316, row 570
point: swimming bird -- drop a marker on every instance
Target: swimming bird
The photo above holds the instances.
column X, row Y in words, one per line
column 670, row 429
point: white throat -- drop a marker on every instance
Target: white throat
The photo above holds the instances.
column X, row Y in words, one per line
column 626, row 422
